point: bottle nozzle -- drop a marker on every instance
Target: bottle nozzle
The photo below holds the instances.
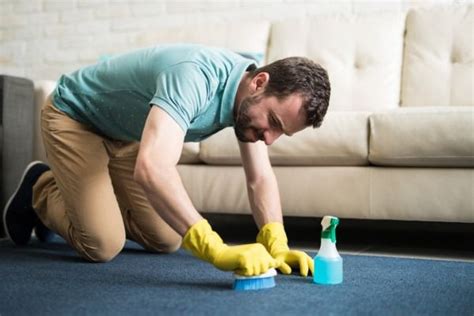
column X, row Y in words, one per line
column 329, row 224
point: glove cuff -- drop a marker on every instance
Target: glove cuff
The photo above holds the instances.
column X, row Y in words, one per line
column 273, row 237
column 202, row 241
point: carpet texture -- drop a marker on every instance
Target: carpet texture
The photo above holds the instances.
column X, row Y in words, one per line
column 51, row 280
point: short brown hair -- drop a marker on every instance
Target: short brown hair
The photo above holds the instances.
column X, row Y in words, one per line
column 303, row 76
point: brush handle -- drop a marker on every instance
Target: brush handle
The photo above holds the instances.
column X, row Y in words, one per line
column 270, row 273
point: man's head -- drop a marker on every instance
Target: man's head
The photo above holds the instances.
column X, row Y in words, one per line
column 283, row 97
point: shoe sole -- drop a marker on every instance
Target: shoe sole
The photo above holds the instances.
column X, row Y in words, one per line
column 5, row 209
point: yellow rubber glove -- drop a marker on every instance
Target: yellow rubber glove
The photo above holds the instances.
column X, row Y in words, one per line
column 273, row 237
column 206, row 244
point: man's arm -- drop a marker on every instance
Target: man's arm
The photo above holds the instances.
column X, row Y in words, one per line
column 155, row 170
column 262, row 186
column 266, row 208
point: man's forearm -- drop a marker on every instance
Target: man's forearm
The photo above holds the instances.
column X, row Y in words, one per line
column 167, row 195
column 265, row 200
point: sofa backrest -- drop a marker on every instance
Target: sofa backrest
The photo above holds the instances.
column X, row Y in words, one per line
column 438, row 67
column 243, row 36
column 362, row 53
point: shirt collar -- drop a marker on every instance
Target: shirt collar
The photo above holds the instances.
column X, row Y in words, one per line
column 230, row 92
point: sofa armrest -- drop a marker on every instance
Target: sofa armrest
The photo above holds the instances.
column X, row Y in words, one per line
column 16, row 117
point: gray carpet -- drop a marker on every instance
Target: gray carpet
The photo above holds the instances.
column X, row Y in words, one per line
column 51, row 280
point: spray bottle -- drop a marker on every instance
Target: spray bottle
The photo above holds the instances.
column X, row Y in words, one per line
column 328, row 262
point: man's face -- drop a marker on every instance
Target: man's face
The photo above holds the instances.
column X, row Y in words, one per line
column 266, row 118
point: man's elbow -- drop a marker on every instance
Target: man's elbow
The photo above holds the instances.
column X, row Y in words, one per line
column 151, row 173
column 141, row 172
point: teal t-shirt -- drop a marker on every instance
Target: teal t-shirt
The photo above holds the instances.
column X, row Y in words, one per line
column 196, row 85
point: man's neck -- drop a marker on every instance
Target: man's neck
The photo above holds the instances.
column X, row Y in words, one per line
column 242, row 91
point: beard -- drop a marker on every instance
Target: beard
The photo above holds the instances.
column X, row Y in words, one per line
column 241, row 118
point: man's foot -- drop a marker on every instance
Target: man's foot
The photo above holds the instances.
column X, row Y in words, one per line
column 43, row 233
column 19, row 217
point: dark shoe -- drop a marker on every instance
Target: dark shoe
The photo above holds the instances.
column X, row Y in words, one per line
column 19, row 217
column 43, row 233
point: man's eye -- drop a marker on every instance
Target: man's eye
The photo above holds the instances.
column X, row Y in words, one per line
column 273, row 122
column 276, row 124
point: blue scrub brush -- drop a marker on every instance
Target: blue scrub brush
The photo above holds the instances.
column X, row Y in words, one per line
column 258, row 282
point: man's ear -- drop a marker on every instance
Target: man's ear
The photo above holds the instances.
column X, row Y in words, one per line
column 259, row 82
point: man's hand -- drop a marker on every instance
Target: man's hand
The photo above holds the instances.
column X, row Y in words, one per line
column 273, row 237
column 248, row 260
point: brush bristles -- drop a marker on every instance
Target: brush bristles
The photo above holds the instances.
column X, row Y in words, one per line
column 259, row 282
column 254, row 284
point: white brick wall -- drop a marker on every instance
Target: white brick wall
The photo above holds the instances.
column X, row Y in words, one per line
column 40, row 39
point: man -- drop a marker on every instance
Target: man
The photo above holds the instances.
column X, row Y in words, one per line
column 113, row 134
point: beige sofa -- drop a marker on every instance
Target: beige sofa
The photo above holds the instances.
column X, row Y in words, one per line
column 398, row 141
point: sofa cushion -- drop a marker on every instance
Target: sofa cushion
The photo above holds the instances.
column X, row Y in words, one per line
column 428, row 136
column 439, row 52
column 340, row 141
column 249, row 38
column 362, row 53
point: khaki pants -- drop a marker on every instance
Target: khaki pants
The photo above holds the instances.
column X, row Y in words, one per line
column 89, row 197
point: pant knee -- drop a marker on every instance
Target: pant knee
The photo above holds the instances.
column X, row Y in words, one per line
column 104, row 249
column 169, row 245
column 172, row 245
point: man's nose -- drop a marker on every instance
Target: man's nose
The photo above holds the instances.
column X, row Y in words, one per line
column 270, row 136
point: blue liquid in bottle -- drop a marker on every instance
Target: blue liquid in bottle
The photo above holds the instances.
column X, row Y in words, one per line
column 328, row 270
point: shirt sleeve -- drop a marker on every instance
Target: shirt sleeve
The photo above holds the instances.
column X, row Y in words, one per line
column 182, row 91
